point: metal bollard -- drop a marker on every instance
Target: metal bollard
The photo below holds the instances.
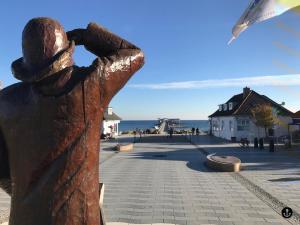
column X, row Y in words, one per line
column 272, row 146
column 255, row 142
column 261, row 143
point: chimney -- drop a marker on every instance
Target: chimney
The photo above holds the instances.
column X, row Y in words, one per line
column 246, row 92
column 109, row 110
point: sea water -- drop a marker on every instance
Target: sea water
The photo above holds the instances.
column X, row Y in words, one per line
column 130, row 125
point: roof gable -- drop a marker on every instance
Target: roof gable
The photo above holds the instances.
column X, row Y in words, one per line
column 296, row 114
column 113, row 116
column 245, row 105
column 254, row 99
column 236, row 99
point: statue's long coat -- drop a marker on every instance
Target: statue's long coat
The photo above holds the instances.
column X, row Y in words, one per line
column 50, row 132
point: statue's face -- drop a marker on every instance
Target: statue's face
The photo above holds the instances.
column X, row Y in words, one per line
column 42, row 39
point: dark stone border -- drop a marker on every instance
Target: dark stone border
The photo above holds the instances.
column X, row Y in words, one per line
column 266, row 197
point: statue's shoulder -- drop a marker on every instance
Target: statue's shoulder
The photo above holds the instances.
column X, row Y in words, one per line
column 98, row 64
column 14, row 92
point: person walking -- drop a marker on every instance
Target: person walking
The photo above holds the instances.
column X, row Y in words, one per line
column 134, row 136
column 197, row 132
column 193, row 130
column 171, row 132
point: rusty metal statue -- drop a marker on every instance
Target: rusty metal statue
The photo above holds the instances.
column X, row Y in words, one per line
column 50, row 122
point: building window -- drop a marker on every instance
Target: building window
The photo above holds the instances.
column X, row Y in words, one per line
column 220, row 107
column 230, row 125
column 225, row 107
column 230, row 105
column 243, row 125
column 223, row 124
column 215, row 126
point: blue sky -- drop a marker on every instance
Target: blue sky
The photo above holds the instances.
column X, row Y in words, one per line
column 184, row 41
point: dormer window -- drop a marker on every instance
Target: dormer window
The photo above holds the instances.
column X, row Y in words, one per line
column 230, row 105
column 220, row 108
column 225, row 107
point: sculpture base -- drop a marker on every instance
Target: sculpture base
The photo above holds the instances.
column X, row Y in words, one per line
column 223, row 163
column 124, row 147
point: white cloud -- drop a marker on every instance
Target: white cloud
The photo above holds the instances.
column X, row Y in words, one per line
column 282, row 80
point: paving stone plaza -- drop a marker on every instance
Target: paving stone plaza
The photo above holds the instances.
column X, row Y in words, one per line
column 165, row 180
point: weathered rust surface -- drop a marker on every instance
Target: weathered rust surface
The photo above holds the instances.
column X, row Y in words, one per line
column 50, row 122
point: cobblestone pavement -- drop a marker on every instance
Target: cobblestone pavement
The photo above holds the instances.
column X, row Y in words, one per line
column 277, row 173
column 108, row 148
column 165, row 181
column 4, row 206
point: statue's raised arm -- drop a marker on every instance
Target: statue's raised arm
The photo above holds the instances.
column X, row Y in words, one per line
column 118, row 59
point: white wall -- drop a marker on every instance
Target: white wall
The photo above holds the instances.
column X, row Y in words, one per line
column 106, row 127
column 224, row 132
column 282, row 129
column 251, row 133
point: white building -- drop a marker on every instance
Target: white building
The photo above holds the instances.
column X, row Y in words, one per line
column 232, row 121
column 110, row 123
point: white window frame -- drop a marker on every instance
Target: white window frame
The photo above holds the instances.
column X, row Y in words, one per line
column 231, row 125
column 243, row 124
column 215, row 125
column 225, row 107
column 230, row 106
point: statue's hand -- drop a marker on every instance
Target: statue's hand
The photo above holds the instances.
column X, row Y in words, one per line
column 77, row 35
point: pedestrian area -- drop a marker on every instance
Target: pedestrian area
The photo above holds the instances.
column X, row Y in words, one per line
column 165, row 181
column 278, row 173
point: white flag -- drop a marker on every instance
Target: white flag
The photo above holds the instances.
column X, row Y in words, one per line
column 260, row 10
